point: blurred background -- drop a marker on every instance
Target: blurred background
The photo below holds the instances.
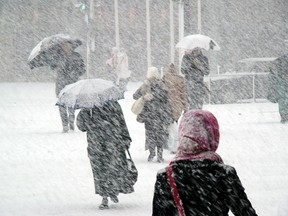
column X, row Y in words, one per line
column 243, row 29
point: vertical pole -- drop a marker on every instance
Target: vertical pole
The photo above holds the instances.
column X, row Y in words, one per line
column 253, row 88
column 172, row 40
column 148, row 33
column 91, row 11
column 181, row 28
column 92, row 25
column 209, row 94
column 90, row 40
column 87, row 45
column 181, row 19
column 116, row 24
column 199, row 17
column 36, row 11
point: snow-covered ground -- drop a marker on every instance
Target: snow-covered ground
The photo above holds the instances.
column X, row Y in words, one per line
column 45, row 172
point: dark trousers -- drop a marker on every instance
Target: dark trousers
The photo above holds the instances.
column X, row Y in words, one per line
column 195, row 94
column 67, row 116
column 156, row 137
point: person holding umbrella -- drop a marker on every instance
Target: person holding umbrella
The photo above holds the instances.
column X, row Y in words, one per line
column 57, row 52
column 108, row 140
column 101, row 117
column 69, row 67
column 195, row 66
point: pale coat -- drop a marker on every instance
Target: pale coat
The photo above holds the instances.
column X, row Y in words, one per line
column 119, row 63
column 176, row 92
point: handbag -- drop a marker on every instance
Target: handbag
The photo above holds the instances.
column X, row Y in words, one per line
column 132, row 172
column 138, row 105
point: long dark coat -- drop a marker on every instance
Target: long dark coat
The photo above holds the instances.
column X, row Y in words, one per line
column 156, row 114
column 69, row 68
column 279, row 84
column 205, row 188
column 194, row 78
column 108, row 138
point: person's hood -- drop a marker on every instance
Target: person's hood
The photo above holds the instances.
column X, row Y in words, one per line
column 198, row 132
column 172, row 69
column 153, row 73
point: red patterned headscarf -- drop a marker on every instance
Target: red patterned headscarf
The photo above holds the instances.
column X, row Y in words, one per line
column 198, row 136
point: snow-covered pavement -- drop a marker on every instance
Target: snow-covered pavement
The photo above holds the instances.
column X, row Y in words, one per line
column 45, row 172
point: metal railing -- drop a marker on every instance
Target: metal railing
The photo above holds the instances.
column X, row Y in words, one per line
column 210, row 78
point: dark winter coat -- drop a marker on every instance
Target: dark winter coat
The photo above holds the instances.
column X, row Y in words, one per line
column 108, row 138
column 206, row 188
column 194, row 68
column 278, row 79
column 191, row 70
column 69, row 68
column 156, row 114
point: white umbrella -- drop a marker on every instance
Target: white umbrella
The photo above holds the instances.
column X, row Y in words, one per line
column 197, row 40
column 89, row 93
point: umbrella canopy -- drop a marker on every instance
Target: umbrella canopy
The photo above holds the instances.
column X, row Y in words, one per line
column 197, row 40
column 89, row 93
column 47, row 50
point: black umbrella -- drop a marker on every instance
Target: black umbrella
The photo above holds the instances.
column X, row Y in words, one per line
column 47, row 50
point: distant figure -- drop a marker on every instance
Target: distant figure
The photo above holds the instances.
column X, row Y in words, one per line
column 278, row 91
column 177, row 99
column 108, row 138
column 69, row 67
column 120, row 67
column 197, row 182
column 194, row 67
column 156, row 114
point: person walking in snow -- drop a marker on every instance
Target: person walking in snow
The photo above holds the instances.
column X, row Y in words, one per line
column 197, row 182
column 178, row 101
column 156, row 114
column 194, row 67
column 120, row 66
column 108, row 139
column 69, row 67
column 278, row 78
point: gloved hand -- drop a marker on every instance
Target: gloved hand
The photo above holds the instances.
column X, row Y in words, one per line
column 148, row 97
column 127, row 144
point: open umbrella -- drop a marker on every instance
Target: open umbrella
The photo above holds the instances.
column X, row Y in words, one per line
column 47, row 50
column 89, row 93
column 197, row 40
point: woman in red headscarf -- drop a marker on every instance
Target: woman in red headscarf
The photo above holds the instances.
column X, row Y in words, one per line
column 197, row 182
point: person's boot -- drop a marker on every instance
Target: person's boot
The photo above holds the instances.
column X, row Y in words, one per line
column 65, row 129
column 151, row 155
column 114, row 199
column 104, row 204
column 284, row 119
column 160, row 155
column 71, row 126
